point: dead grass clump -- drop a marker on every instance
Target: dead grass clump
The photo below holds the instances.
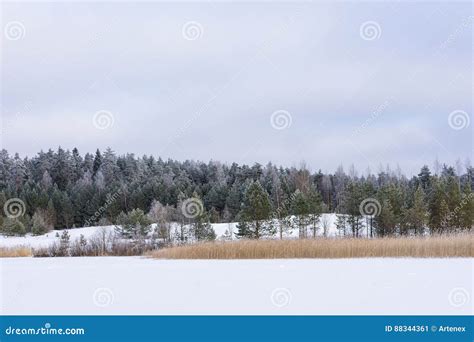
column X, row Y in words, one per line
column 15, row 252
column 326, row 248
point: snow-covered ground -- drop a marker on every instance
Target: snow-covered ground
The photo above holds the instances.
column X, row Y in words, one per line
column 49, row 238
column 88, row 232
column 136, row 285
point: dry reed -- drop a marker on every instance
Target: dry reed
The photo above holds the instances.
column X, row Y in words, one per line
column 15, row 252
column 416, row 247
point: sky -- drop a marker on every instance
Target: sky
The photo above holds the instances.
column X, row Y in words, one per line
column 328, row 83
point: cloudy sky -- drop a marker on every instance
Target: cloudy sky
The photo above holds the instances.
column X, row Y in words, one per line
column 330, row 83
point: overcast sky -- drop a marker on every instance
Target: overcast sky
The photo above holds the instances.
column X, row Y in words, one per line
column 329, row 83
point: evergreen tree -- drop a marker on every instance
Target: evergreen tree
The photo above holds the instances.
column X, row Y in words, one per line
column 466, row 212
column 300, row 207
column 444, row 217
column 51, row 213
column 97, row 162
column 64, row 243
column 11, row 226
column 341, row 222
column 202, row 228
column 438, row 209
column 425, row 178
column 453, row 201
column 315, row 209
column 386, row 221
column 72, row 189
column 134, row 225
column 256, row 213
column 352, row 200
column 415, row 218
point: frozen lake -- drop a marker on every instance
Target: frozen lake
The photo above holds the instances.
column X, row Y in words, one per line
column 136, row 285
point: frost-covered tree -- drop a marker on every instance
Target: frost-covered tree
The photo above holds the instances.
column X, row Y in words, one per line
column 161, row 215
column 73, row 188
column 41, row 223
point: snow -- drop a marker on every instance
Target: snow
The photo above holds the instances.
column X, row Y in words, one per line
column 48, row 239
column 88, row 232
column 136, row 285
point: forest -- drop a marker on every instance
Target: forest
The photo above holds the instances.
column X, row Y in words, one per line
column 64, row 189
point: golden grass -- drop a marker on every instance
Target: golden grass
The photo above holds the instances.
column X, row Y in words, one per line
column 325, row 248
column 15, row 252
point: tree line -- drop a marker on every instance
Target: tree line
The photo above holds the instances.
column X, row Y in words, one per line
column 64, row 189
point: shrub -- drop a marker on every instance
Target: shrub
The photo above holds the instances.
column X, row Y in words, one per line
column 13, row 227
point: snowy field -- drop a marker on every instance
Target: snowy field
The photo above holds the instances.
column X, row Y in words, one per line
column 135, row 285
column 88, row 232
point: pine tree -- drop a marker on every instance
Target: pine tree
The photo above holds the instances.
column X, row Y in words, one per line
column 444, row 215
column 134, row 225
column 438, row 209
column 315, row 209
column 341, row 224
column 416, row 217
column 283, row 217
column 256, row 213
column 424, row 178
column 353, row 197
column 300, row 208
column 201, row 227
column 453, row 201
column 64, row 243
column 385, row 222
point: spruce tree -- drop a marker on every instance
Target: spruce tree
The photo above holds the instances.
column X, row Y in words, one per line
column 97, row 162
